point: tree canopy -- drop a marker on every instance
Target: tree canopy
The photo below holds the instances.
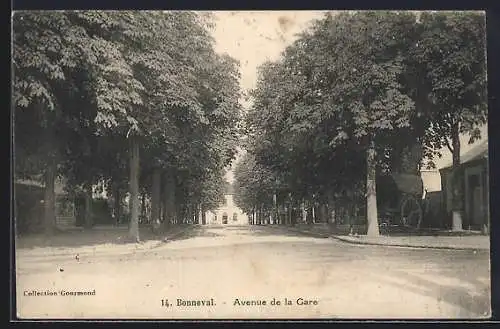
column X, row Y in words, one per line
column 95, row 88
column 362, row 94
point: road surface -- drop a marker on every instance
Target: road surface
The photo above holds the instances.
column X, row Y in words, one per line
column 244, row 272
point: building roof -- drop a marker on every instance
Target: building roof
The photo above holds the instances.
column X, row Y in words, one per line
column 479, row 151
column 58, row 184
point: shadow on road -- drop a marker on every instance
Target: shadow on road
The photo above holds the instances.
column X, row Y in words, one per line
column 93, row 237
column 195, row 231
column 476, row 303
column 274, row 230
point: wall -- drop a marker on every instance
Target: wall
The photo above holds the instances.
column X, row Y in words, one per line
column 229, row 208
column 431, row 180
column 466, row 168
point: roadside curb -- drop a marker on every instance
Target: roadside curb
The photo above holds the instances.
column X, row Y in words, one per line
column 404, row 245
column 397, row 245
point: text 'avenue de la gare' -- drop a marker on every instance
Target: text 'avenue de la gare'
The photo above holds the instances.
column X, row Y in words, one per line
column 276, row 302
column 245, row 302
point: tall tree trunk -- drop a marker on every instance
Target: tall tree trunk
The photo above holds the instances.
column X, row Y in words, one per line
column 163, row 208
column 303, row 211
column 371, row 191
column 309, row 215
column 155, row 197
column 203, row 215
column 143, row 207
column 134, row 189
column 170, row 197
column 196, row 210
column 275, row 208
column 189, row 212
column 324, row 213
column 165, row 193
column 88, row 207
column 49, row 215
column 259, row 220
column 457, row 179
column 117, row 203
column 355, row 213
column 330, row 208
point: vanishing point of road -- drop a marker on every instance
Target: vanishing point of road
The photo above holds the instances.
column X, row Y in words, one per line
column 233, row 270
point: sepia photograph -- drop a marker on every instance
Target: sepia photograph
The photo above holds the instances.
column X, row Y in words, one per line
column 250, row 165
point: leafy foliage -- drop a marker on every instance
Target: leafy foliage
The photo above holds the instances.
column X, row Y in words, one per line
column 396, row 79
column 87, row 81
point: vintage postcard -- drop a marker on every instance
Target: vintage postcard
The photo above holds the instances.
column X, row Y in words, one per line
column 250, row 165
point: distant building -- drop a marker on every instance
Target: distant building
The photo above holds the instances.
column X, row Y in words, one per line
column 474, row 177
column 228, row 213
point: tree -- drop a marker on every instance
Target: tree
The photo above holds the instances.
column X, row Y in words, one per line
column 254, row 187
column 113, row 81
column 332, row 95
column 48, row 51
column 140, row 84
column 366, row 72
column 450, row 57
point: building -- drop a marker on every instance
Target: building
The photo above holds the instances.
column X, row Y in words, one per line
column 474, row 178
column 432, row 205
column 29, row 198
column 229, row 213
column 431, row 180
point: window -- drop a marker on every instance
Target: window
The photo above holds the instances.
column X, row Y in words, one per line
column 224, row 218
column 235, row 217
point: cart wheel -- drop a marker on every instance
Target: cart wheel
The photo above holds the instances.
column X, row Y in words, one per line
column 411, row 212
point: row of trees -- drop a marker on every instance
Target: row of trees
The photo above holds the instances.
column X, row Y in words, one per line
column 357, row 95
column 138, row 100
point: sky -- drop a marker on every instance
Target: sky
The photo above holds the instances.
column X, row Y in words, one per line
column 253, row 37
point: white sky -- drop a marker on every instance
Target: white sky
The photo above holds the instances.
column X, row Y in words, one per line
column 252, row 37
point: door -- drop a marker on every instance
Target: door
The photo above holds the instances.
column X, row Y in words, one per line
column 477, row 201
column 475, row 208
